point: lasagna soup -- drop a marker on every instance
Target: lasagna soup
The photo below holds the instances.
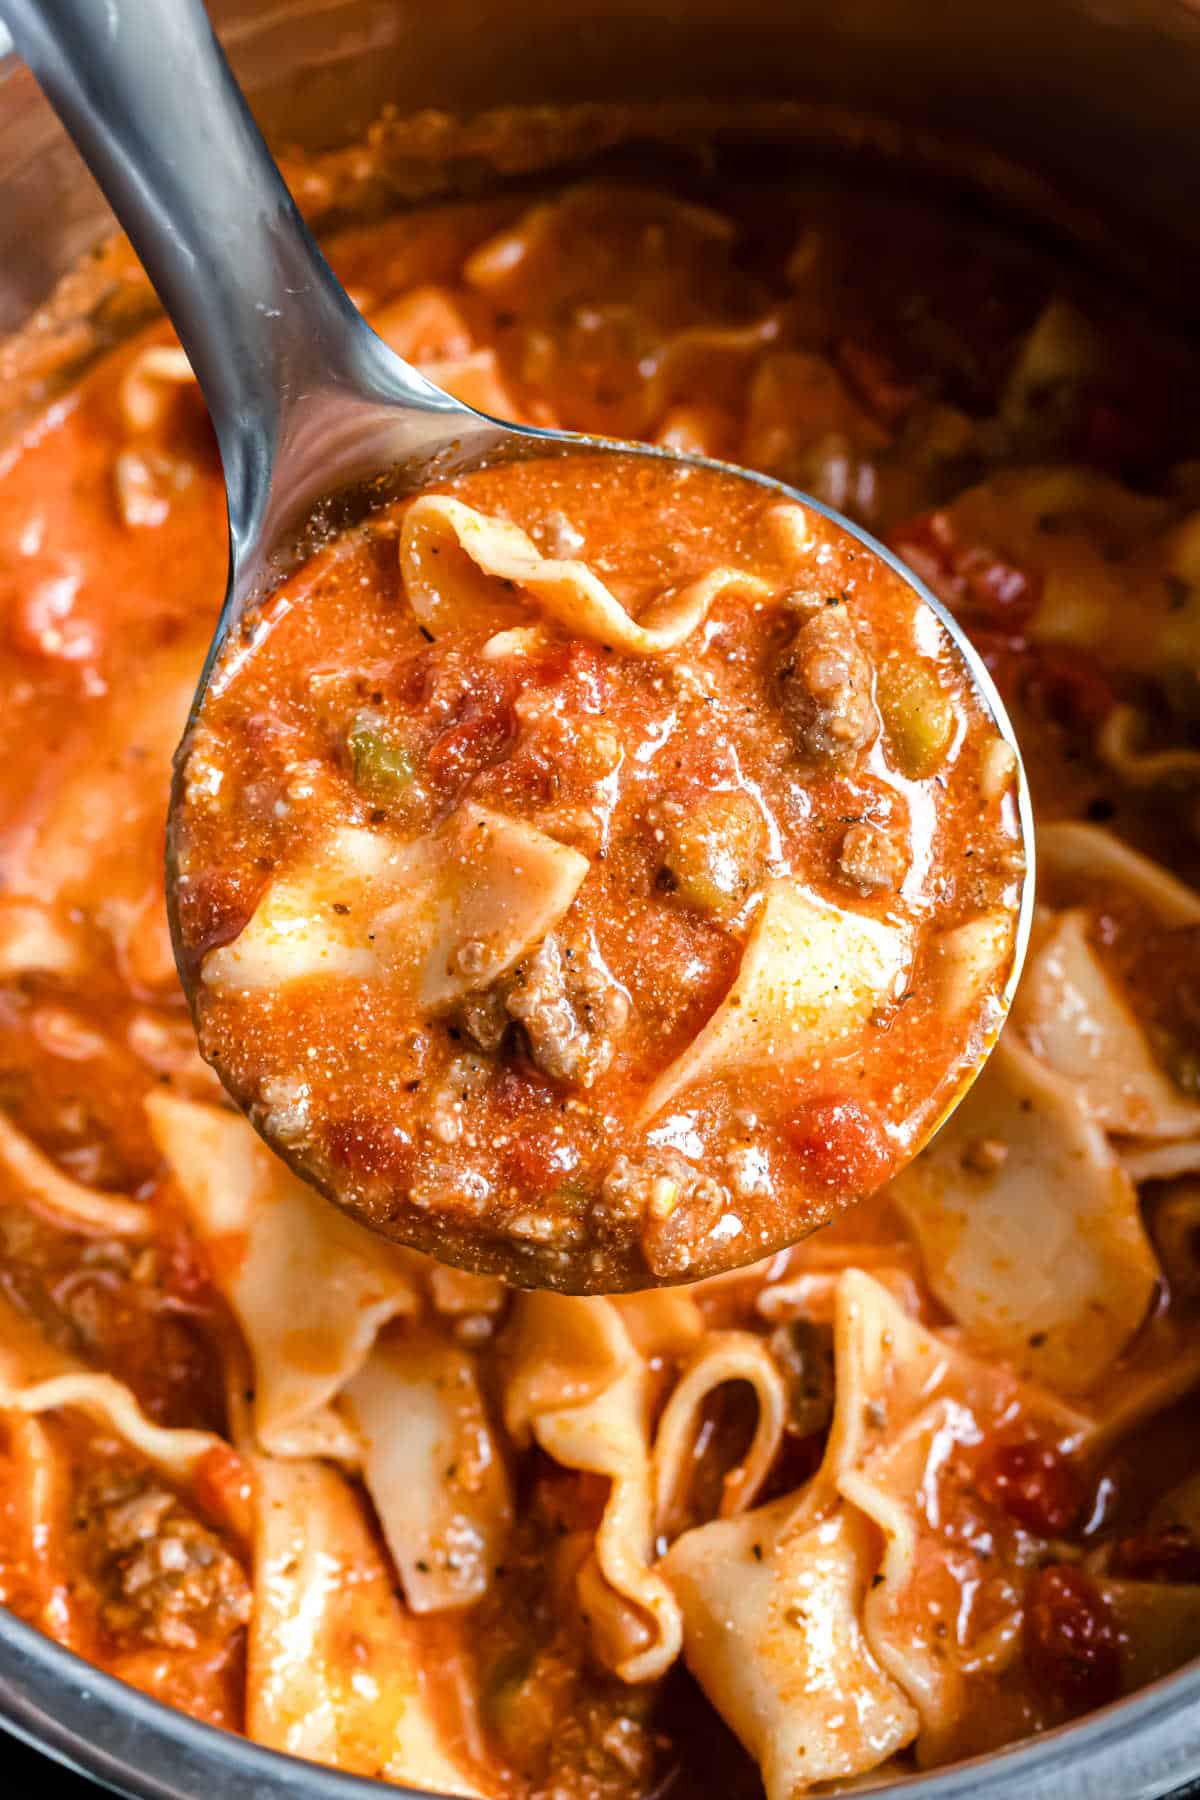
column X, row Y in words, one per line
column 597, row 872
column 922, row 1484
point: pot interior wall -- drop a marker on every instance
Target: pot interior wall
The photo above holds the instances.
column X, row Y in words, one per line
column 1096, row 95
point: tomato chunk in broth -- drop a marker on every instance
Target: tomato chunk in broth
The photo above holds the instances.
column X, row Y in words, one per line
column 596, row 871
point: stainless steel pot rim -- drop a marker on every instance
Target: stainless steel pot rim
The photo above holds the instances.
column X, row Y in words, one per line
column 1143, row 1748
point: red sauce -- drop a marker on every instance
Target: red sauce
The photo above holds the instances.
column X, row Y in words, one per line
column 814, row 731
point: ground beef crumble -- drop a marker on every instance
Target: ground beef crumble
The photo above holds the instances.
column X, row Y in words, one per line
column 827, row 690
column 163, row 1577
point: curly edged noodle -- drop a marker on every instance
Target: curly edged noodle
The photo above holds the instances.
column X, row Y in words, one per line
column 34, row 1179
column 579, row 1384
column 823, row 1659
column 320, row 1580
column 362, row 903
column 1119, row 574
column 1028, row 1226
column 454, row 558
column 1072, row 1014
column 330, row 1380
column 539, row 236
column 716, row 356
column 1118, row 744
column 96, row 831
column 1024, row 1205
column 1112, row 565
column 36, row 1377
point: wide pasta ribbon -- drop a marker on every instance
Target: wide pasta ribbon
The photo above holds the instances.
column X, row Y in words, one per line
column 810, row 974
column 36, row 1377
column 31, row 1177
column 822, row 1658
column 773, row 1634
column 1071, row 1012
column 460, row 568
column 364, row 905
column 579, row 1386
column 313, row 1292
column 905, row 1399
column 1028, row 1226
column 334, row 1665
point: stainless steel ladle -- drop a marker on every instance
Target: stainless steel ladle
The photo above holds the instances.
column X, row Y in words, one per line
column 306, row 401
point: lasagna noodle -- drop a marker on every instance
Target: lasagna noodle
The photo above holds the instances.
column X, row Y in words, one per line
column 758, row 1592
column 310, row 1289
column 724, row 354
column 458, row 564
column 905, row 1397
column 773, row 1633
column 36, row 1180
column 86, row 849
column 1028, row 1226
column 578, row 1385
column 1088, row 856
column 1119, row 746
column 36, row 1378
column 334, row 1666
column 1075, row 1020
column 312, row 1292
column 810, row 974
column 555, row 237
column 721, row 1357
column 432, row 1467
column 364, row 904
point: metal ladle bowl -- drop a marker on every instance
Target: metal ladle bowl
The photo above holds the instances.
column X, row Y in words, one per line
column 315, row 417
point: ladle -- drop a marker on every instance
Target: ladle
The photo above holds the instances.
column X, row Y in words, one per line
column 306, row 401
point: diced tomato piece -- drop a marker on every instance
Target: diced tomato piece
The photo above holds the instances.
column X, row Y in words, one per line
column 876, row 380
column 538, row 1161
column 1171, row 1555
column 371, row 1146
column 1072, row 1646
column 223, row 1487
column 1067, row 687
column 216, row 907
column 841, row 1145
column 972, row 579
column 185, row 1273
column 1033, row 1482
column 408, row 682
column 479, row 736
column 577, row 669
column 1004, row 655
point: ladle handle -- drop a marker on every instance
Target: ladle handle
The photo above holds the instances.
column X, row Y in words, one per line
column 145, row 91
